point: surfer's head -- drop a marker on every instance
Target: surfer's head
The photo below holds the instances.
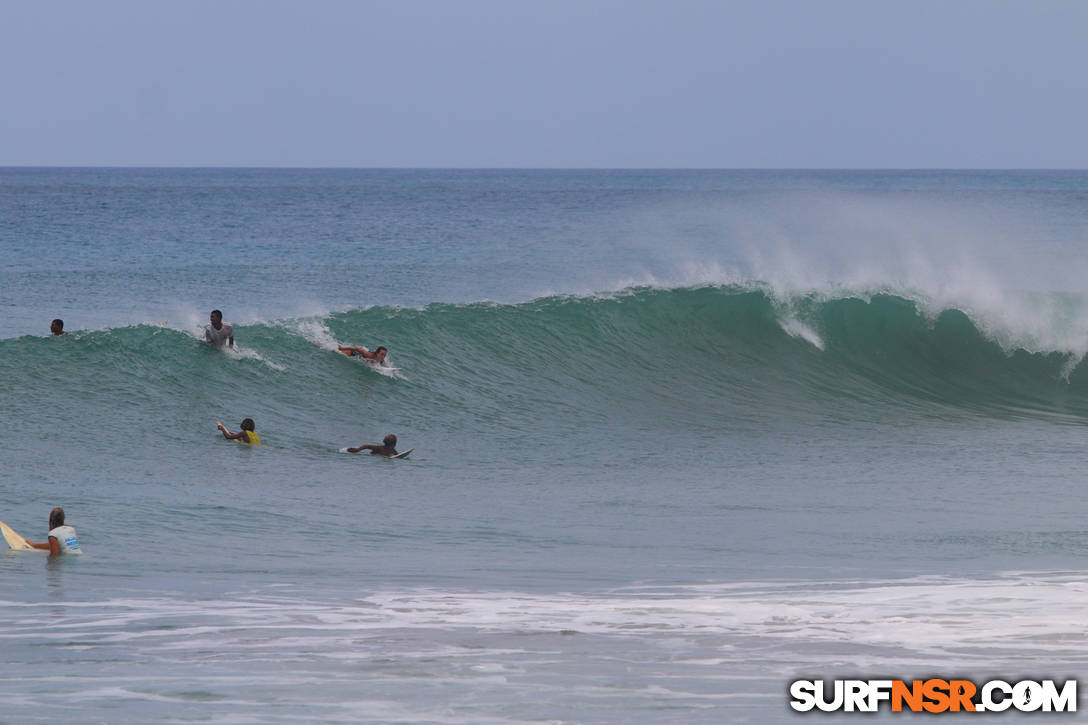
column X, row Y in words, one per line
column 217, row 319
column 390, row 440
column 57, row 326
column 247, row 424
column 56, row 518
column 380, row 354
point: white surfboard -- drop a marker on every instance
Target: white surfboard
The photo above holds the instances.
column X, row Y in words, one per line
column 383, row 370
column 14, row 540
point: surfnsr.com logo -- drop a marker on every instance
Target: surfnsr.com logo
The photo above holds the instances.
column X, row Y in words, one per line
column 933, row 695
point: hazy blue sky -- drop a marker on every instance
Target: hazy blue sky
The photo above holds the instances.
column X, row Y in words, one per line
column 555, row 83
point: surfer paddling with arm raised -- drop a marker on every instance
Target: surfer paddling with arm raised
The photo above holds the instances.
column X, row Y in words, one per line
column 388, row 448
column 377, row 356
column 62, row 538
column 248, row 434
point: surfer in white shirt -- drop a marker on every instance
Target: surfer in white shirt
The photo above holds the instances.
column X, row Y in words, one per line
column 62, row 538
column 219, row 333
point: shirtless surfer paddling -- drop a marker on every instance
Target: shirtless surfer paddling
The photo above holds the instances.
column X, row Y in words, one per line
column 388, row 448
column 377, row 356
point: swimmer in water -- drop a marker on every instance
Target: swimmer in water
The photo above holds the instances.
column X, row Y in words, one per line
column 248, row 434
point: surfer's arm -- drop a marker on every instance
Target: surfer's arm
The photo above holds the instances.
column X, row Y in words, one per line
column 231, row 436
column 349, row 349
column 365, row 447
column 52, row 546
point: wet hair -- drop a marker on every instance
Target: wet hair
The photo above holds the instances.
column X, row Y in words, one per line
column 247, row 424
column 379, row 350
column 56, row 518
column 390, row 440
column 217, row 312
column 59, row 323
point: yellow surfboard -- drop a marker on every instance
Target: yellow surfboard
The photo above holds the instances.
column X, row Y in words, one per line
column 14, row 540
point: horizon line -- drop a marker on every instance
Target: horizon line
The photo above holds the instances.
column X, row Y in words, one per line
column 196, row 167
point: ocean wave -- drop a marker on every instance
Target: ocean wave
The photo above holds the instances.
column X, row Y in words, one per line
column 691, row 355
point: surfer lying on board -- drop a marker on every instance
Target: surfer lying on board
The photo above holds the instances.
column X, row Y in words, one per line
column 388, row 447
column 377, row 356
column 248, row 434
column 62, row 539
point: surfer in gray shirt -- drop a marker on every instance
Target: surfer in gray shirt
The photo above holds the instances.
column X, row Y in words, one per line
column 219, row 333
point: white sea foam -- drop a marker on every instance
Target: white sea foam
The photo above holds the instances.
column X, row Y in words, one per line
column 316, row 332
column 247, row 353
column 798, row 329
column 407, row 654
column 941, row 620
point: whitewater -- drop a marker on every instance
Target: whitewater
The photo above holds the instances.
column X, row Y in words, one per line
column 681, row 437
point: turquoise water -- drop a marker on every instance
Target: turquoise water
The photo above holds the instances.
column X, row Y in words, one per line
column 680, row 438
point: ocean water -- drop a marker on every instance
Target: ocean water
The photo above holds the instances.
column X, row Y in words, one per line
column 680, row 437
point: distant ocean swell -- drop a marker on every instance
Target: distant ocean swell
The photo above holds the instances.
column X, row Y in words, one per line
column 681, row 354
